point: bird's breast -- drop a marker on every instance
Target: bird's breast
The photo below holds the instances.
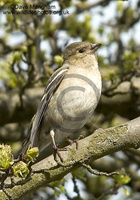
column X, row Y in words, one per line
column 75, row 99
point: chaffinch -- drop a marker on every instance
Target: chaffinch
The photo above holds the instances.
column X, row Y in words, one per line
column 70, row 97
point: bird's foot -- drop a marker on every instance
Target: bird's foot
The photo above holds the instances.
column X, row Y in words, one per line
column 56, row 149
column 75, row 140
column 57, row 152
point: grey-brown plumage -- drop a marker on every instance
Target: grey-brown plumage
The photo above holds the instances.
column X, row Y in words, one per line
column 71, row 96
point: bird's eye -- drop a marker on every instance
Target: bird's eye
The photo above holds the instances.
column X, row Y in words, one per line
column 81, row 50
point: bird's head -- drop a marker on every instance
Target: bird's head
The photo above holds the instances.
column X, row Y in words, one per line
column 79, row 51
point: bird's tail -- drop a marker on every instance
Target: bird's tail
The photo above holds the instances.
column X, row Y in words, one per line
column 26, row 143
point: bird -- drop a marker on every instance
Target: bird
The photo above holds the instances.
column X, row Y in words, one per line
column 70, row 97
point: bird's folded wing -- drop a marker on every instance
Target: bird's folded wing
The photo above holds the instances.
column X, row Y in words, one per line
column 51, row 87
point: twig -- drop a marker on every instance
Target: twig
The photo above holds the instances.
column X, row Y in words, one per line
column 92, row 171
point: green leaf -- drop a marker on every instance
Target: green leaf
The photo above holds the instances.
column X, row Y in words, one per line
column 58, row 59
column 6, row 157
column 122, row 178
column 120, row 6
column 62, row 189
column 31, row 154
column 21, row 169
column 126, row 191
column 57, row 192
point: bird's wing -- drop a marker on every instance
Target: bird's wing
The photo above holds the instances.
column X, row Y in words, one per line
column 51, row 87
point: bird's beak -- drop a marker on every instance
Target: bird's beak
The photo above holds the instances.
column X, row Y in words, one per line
column 94, row 47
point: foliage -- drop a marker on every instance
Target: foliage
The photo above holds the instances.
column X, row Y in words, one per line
column 5, row 157
column 20, row 168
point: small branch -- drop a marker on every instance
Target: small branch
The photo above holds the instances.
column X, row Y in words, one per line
column 134, row 152
column 92, row 171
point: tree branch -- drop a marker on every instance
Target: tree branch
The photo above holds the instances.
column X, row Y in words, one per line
column 100, row 143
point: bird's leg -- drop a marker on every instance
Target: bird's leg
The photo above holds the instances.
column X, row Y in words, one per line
column 74, row 141
column 56, row 149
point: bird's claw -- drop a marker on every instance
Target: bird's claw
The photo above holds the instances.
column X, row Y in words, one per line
column 75, row 140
